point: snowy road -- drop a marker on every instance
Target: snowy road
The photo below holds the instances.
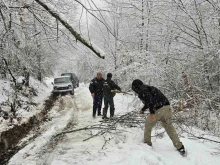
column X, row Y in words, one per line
column 123, row 149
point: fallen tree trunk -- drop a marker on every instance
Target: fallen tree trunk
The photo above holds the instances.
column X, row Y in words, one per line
column 70, row 28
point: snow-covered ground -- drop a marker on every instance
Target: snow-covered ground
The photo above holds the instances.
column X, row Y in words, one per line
column 60, row 116
column 26, row 111
column 124, row 148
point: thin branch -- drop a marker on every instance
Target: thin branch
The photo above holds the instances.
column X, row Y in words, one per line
column 95, row 17
column 200, row 137
column 3, row 18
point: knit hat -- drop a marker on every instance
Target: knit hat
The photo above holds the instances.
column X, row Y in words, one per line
column 136, row 85
column 109, row 75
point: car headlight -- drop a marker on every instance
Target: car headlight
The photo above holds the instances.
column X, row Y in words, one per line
column 55, row 87
column 69, row 86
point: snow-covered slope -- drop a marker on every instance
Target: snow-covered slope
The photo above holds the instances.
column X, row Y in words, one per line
column 26, row 110
column 124, row 148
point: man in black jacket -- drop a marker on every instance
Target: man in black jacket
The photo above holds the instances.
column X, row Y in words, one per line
column 96, row 89
column 108, row 86
column 159, row 108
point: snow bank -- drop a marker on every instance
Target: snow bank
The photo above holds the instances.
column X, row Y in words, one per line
column 60, row 118
column 83, row 98
column 26, row 110
column 44, row 89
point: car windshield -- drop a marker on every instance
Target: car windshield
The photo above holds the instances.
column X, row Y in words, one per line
column 61, row 80
column 66, row 74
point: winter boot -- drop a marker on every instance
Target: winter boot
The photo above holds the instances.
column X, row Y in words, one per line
column 182, row 150
column 99, row 113
column 112, row 112
column 105, row 110
column 149, row 143
column 105, row 117
column 93, row 113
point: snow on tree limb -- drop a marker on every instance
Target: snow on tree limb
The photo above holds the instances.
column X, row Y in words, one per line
column 65, row 23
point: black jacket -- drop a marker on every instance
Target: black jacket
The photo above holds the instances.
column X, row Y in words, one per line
column 108, row 86
column 96, row 86
column 152, row 97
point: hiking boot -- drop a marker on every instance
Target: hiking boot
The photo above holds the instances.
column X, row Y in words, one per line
column 182, row 150
column 104, row 112
column 113, row 117
column 93, row 115
column 150, row 144
column 99, row 113
column 105, row 117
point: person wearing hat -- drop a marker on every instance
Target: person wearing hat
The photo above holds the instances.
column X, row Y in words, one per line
column 108, row 86
column 160, row 110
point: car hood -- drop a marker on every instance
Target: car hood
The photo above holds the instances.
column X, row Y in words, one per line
column 62, row 84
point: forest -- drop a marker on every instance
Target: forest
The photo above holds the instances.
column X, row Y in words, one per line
column 171, row 44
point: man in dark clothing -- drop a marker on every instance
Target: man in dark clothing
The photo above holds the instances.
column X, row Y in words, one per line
column 108, row 86
column 159, row 108
column 96, row 89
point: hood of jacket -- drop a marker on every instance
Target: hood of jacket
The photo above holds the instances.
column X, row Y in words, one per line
column 136, row 85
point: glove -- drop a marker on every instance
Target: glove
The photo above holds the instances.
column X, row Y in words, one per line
column 152, row 117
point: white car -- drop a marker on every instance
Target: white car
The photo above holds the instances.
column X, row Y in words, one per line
column 63, row 84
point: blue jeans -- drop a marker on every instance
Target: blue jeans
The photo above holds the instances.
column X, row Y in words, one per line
column 97, row 104
column 108, row 101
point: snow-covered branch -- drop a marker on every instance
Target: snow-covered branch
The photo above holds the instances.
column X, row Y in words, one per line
column 65, row 23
